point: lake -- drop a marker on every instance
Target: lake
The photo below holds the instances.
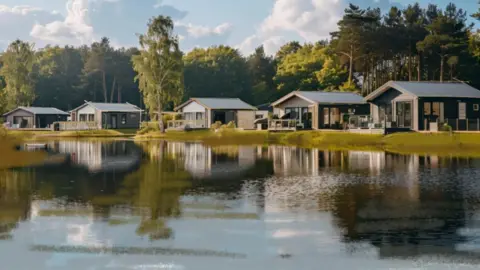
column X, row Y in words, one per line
column 177, row 205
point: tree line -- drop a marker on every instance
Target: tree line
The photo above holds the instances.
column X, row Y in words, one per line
column 368, row 49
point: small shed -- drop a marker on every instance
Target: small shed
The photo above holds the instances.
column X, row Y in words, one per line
column 109, row 115
column 34, row 117
column 319, row 109
column 203, row 112
column 421, row 106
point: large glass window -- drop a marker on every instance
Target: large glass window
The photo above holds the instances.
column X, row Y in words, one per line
column 436, row 108
column 326, row 116
column 334, row 115
column 427, row 108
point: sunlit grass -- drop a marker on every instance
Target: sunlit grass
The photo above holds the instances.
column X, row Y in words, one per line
column 459, row 144
column 103, row 133
column 11, row 158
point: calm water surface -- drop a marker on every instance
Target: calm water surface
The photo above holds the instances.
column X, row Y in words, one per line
column 172, row 205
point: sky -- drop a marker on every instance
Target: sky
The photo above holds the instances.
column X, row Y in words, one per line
column 243, row 24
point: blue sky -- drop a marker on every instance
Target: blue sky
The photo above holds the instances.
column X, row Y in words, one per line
column 242, row 24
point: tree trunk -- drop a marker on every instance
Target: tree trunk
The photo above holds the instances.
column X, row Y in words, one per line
column 119, row 94
column 160, row 118
column 94, row 90
column 104, row 84
column 350, row 72
column 410, row 67
column 113, row 89
column 419, row 68
column 395, row 68
column 442, row 62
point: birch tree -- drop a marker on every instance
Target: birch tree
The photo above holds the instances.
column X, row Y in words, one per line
column 159, row 66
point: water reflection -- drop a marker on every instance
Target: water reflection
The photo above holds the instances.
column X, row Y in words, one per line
column 243, row 202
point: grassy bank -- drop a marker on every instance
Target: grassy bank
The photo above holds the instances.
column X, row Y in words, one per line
column 462, row 144
column 71, row 134
column 11, row 158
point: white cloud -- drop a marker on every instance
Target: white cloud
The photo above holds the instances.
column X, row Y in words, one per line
column 74, row 29
column 270, row 44
column 200, row 31
column 16, row 22
column 311, row 20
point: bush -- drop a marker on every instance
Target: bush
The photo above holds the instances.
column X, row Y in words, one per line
column 216, row 125
column 446, row 127
column 3, row 131
column 231, row 124
column 146, row 127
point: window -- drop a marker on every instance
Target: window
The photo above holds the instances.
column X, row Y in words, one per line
column 436, row 108
column 199, row 116
column 326, row 116
column 427, row 108
column 476, row 107
column 258, row 116
column 123, row 119
column 91, row 118
column 83, row 117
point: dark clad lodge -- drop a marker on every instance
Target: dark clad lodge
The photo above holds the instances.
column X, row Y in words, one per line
column 421, row 106
column 34, row 117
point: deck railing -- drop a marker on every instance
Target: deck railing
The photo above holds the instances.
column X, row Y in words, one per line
column 76, row 125
column 284, row 124
column 363, row 122
column 182, row 124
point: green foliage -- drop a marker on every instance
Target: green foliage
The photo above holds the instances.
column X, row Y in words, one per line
column 231, row 125
column 218, row 71
column 262, row 71
column 216, row 125
column 446, row 127
column 17, row 65
column 159, row 66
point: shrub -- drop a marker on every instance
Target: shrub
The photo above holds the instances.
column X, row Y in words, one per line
column 216, row 125
column 3, row 131
column 231, row 124
column 146, row 127
column 446, row 127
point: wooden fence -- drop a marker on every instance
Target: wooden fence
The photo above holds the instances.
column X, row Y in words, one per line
column 66, row 126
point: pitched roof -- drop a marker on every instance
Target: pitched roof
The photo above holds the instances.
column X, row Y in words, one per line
column 40, row 110
column 321, row 97
column 111, row 107
column 429, row 89
column 220, row 104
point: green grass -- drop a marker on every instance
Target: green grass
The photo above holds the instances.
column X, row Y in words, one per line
column 460, row 144
column 104, row 133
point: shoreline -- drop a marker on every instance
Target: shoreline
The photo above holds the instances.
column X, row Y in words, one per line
column 442, row 144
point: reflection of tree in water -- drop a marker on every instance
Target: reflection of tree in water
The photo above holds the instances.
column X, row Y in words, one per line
column 402, row 221
column 156, row 189
column 15, row 200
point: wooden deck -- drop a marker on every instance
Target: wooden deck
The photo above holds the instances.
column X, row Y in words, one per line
column 284, row 125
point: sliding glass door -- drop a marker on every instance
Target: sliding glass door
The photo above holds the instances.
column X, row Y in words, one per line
column 404, row 114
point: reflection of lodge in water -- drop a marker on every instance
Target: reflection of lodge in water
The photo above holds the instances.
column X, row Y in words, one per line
column 100, row 156
column 207, row 162
column 294, row 161
column 407, row 206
